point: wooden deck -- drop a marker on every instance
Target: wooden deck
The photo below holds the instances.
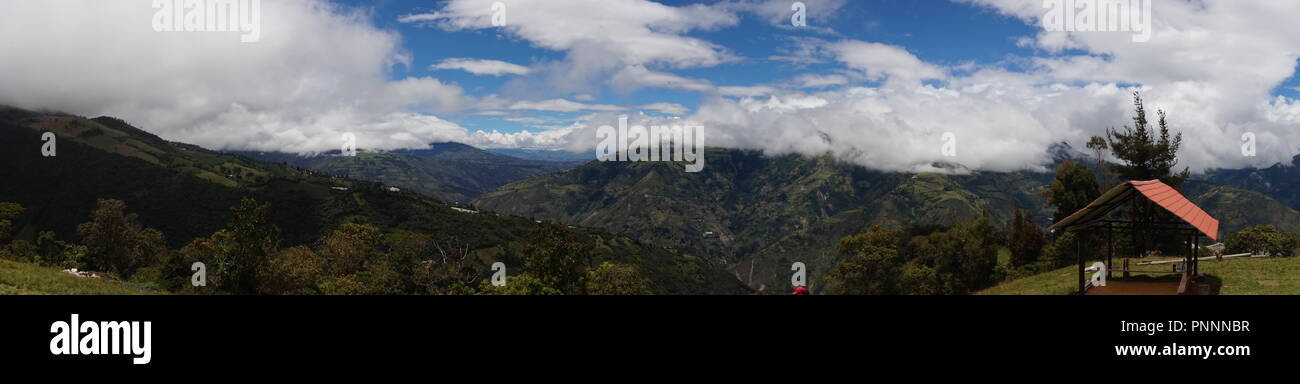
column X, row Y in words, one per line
column 1148, row 287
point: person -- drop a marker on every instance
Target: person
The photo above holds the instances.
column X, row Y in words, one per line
column 801, row 291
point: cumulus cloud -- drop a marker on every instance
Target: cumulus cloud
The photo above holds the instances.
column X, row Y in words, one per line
column 1211, row 64
column 562, row 105
column 747, row 91
column 481, row 67
column 877, row 61
column 318, row 70
column 778, row 12
column 321, row 69
column 626, row 44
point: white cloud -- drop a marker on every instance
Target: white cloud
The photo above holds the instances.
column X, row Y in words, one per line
column 318, row 70
column 562, row 105
column 635, row 31
column 627, row 44
column 746, row 91
column 481, row 67
column 666, row 108
column 1211, row 64
column 812, row 80
column 567, row 106
column 636, row 76
column 877, row 61
column 818, row 13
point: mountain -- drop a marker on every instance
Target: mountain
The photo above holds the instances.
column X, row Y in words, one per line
column 758, row 214
column 1281, row 181
column 1238, row 208
column 450, row 172
column 187, row 191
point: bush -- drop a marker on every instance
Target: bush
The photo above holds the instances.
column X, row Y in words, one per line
column 616, row 279
column 116, row 242
column 957, row 261
column 1025, row 240
column 1263, row 239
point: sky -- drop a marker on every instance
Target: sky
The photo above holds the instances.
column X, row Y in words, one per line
column 879, row 83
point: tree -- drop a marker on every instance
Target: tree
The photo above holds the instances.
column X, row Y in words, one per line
column 348, row 248
column 975, row 254
column 1098, row 145
column 116, row 242
column 292, row 271
column 8, row 211
column 234, row 255
column 616, row 279
column 871, row 267
column 1263, row 239
column 557, row 258
column 1073, row 187
column 1145, row 154
column 1025, row 240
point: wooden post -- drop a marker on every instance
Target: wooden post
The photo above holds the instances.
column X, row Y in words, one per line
column 1196, row 263
column 1110, row 252
column 1078, row 254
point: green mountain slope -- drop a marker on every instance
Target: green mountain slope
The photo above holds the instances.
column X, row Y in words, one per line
column 1237, row 208
column 186, row 192
column 758, row 215
column 1280, row 182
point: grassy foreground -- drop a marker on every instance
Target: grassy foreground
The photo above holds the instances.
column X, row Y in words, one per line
column 28, row 279
column 1255, row 276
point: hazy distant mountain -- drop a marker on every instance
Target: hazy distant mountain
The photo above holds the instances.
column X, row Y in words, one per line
column 574, row 158
column 450, row 172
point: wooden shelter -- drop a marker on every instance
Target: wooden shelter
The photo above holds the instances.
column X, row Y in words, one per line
column 1140, row 204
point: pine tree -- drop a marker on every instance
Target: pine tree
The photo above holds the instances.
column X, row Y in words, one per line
column 1146, row 154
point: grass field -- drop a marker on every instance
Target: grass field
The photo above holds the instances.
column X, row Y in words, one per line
column 29, row 279
column 1255, row 276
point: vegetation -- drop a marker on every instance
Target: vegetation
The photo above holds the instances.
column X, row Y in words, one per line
column 20, row 278
column 758, row 214
column 1145, row 153
column 1252, row 276
column 1073, row 187
column 1099, row 146
column 115, row 241
column 1263, row 240
column 266, row 228
column 959, row 260
column 1025, row 240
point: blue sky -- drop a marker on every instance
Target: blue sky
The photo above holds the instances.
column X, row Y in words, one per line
column 946, row 33
column 941, row 32
column 873, row 82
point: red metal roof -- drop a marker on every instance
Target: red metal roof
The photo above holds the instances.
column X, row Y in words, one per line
column 1156, row 191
